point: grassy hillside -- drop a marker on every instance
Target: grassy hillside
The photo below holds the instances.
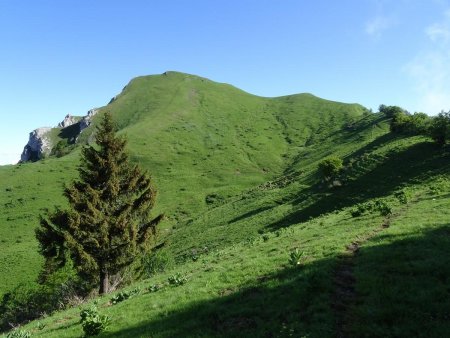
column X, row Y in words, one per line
column 201, row 141
column 257, row 244
column 365, row 276
column 26, row 191
column 216, row 139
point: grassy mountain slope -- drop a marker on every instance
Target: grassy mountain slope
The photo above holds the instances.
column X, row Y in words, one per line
column 238, row 179
column 26, row 191
column 249, row 288
column 214, row 138
column 197, row 137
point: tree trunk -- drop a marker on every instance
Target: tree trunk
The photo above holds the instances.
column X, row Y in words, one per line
column 104, row 282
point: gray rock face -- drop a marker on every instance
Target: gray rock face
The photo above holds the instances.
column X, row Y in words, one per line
column 86, row 120
column 38, row 144
column 68, row 121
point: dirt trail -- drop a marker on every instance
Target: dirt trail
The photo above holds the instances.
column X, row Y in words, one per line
column 344, row 295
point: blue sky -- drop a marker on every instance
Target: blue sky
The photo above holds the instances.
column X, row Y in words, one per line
column 59, row 57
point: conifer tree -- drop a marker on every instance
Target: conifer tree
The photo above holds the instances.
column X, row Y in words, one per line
column 107, row 224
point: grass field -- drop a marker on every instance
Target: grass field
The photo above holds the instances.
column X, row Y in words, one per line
column 250, row 288
column 237, row 178
column 197, row 138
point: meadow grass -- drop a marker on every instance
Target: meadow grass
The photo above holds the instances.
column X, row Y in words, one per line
column 196, row 137
column 237, row 176
column 246, row 289
column 27, row 190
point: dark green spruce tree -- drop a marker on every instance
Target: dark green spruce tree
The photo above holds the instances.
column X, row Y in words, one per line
column 107, row 225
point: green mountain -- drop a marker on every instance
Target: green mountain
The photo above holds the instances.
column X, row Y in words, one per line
column 237, row 178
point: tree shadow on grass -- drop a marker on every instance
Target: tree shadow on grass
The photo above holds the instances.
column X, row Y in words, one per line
column 293, row 302
column 402, row 291
column 403, row 288
column 414, row 164
column 371, row 146
column 250, row 214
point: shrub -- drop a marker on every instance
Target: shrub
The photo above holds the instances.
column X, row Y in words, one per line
column 124, row 295
column 27, row 302
column 378, row 205
column 295, row 257
column 440, row 185
column 359, row 209
column 213, row 199
column 62, row 148
column 330, row 167
column 416, row 124
column 92, row 322
column 440, row 128
column 402, row 196
column 391, row 111
column 177, row 279
column 384, row 208
column 88, row 312
column 154, row 288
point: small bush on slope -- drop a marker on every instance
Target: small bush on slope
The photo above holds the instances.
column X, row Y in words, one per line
column 92, row 322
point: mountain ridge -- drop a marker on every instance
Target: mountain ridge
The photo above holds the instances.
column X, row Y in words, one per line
column 41, row 142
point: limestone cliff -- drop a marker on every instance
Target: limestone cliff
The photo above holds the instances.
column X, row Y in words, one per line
column 40, row 142
column 38, row 145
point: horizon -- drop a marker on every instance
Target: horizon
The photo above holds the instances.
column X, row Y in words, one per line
column 67, row 58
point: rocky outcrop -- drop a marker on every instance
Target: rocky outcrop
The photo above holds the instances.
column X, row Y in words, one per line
column 86, row 120
column 68, row 121
column 38, row 145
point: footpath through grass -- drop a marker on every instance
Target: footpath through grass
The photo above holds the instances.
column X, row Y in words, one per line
column 247, row 289
column 251, row 289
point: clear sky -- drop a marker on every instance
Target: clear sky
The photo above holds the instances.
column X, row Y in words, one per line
column 67, row 56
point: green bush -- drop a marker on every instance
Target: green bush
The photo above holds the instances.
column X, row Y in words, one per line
column 213, row 199
column 28, row 302
column 296, row 257
column 416, row 124
column 62, row 148
column 402, row 196
column 92, row 322
column 154, row 288
column 40, row 326
column 391, row 111
column 360, row 209
column 330, row 167
column 440, row 128
column 383, row 207
column 124, row 295
column 378, row 205
column 177, row 279
column 88, row 312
